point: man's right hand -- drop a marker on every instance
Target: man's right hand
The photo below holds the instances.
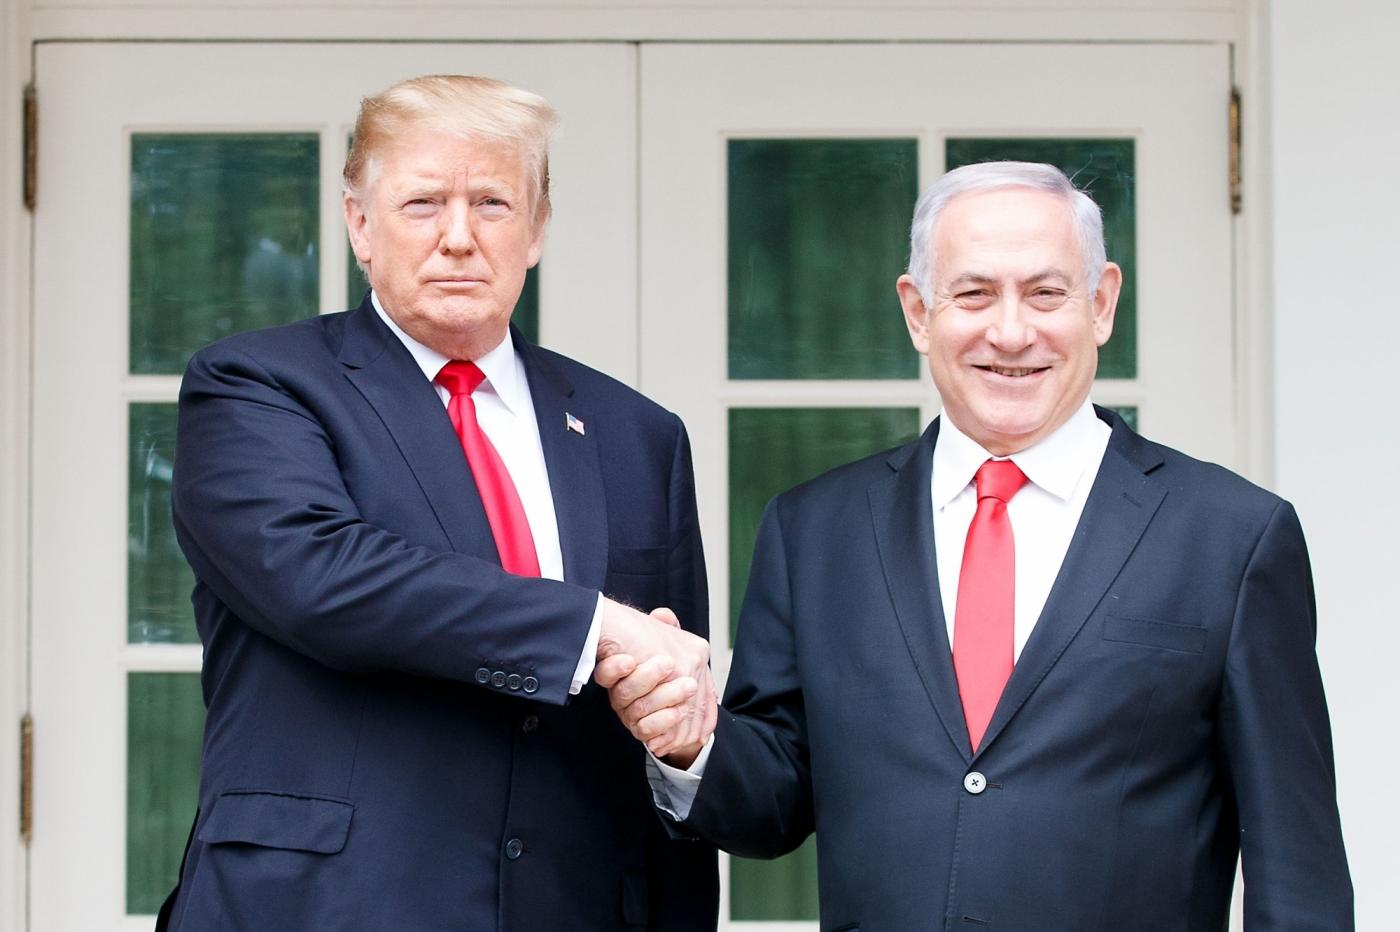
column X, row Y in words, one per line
column 658, row 680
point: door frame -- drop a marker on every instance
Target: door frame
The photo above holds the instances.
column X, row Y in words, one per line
column 1245, row 29
column 15, row 309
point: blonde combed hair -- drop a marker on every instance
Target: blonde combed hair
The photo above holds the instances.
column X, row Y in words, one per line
column 468, row 106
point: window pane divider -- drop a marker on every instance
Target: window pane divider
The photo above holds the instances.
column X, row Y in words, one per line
column 151, row 387
column 856, row 393
column 162, row 658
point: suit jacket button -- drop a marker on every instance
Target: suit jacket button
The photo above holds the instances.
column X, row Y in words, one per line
column 513, row 681
column 530, row 684
column 483, row 675
column 530, row 724
column 514, row 848
column 498, row 679
column 974, row 783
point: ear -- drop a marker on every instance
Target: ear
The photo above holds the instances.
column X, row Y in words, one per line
column 915, row 313
column 357, row 225
column 1106, row 302
column 536, row 243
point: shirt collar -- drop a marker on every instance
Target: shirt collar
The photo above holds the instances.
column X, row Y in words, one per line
column 1055, row 464
column 505, row 374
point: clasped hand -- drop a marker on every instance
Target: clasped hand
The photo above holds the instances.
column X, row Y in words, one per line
column 658, row 680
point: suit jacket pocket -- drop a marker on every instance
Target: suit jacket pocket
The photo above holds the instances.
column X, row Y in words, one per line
column 1189, row 639
column 636, row 561
column 318, row 824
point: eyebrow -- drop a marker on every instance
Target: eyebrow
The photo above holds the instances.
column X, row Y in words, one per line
column 978, row 278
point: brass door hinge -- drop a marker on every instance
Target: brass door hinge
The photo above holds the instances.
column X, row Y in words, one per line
column 31, row 147
column 1236, row 197
column 26, row 778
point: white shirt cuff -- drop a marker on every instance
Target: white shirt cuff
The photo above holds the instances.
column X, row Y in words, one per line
column 672, row 789
column 589, row 658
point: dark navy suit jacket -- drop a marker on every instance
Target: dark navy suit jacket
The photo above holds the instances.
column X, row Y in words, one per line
column 390, row 741
column 1165, row 713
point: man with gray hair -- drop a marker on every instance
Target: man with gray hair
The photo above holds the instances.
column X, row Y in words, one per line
column 413, row 535
column 1031, row 671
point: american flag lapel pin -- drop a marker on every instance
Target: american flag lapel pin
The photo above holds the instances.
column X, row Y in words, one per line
column 573, row 424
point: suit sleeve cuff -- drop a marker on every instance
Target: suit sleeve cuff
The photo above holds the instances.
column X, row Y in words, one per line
column 672, row 789
column 589, row 658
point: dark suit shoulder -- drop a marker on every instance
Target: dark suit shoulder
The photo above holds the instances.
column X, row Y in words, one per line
column 1217, row 509
column 621, row 399
column 312, row 336
column 1209, row 485
column 839, row 494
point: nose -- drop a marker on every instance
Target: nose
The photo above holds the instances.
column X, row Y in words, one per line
column 1012, row 328
column 456, row 236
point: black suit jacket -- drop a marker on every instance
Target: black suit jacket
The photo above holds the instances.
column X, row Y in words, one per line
column 1165, row 713
column 390, row 742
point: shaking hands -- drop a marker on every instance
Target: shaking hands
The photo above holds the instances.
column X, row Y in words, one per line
column 658, row 680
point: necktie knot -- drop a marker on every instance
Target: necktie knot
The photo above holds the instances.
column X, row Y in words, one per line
column 460, row 378
column 999, row 479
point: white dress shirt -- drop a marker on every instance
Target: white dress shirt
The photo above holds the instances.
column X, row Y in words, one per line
column 506, row 412
column 1044, row 513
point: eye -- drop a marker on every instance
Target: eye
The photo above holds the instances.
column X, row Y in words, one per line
column 420, row 207
column 1047, row 298
column 974, row 298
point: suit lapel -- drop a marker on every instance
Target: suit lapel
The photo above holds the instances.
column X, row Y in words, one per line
column 1120, row 506
column 384, row 372
column 574, row 466
column 901, row 506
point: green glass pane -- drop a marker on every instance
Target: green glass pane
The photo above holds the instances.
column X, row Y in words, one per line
column 782, row 889
column 818, row 233
column 773, row 449
column 164, row 724
column 158, row 580
column 527, row 309
column 1106, row 170
column 224, row 237
column 1129, row 413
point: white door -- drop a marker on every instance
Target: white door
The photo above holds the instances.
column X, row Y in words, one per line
column 189, row 191
column 778, row 182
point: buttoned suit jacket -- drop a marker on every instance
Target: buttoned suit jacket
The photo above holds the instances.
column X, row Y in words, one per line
column 1165, row 712
column 390, row 740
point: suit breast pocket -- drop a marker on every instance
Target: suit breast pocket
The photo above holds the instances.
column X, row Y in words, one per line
column 1148, row 632
column 637, row 576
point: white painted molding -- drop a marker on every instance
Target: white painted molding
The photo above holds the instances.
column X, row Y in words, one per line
column 640, row 20
column 1254, row 292
column 14, row 456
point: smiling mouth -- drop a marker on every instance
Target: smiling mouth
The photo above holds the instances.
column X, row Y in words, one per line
column 1014, row 372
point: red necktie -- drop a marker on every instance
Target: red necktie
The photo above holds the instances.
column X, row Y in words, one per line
column 503, row 509
column 984, row 622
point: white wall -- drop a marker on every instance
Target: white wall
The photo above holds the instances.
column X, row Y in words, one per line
column 1333, row 147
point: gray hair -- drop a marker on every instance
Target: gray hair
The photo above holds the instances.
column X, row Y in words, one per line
column 467, row 106
column 990, row 176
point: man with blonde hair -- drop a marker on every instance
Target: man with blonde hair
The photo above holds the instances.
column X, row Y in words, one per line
column 413, row 535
